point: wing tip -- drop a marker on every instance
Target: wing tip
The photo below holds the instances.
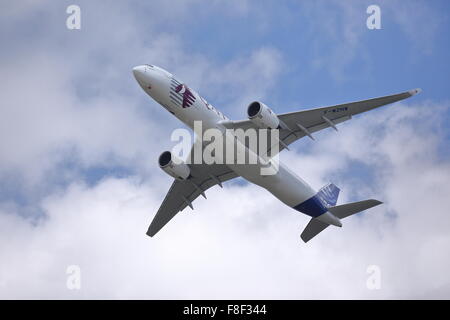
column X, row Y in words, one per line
column 305, row 238
column 375, row 202
column 413, row 92
column 151, row 233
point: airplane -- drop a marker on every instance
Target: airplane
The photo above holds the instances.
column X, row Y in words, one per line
column 192, row 179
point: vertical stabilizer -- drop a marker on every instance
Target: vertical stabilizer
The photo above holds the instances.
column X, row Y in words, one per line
column 328, row 195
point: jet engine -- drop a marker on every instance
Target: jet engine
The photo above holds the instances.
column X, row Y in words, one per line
column 174, row 166
column 262, row 116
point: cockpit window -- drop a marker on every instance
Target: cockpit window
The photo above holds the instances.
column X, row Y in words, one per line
column 149, row 65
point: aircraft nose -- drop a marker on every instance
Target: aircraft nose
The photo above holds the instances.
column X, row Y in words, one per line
column 139, row 72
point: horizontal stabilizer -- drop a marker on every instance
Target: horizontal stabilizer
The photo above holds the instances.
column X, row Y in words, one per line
column 348, row 209
column 315, row 226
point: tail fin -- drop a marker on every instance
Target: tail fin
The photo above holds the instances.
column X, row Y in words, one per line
column 328, row 195
column 315, row 226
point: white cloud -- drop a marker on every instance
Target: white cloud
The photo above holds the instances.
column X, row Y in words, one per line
column 344, row 36
column 79, row 103
column 243, row 235
column 419, row 22
column 341, row 26
column 49, row 123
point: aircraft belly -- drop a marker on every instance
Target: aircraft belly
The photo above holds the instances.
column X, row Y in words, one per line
column 284, row 185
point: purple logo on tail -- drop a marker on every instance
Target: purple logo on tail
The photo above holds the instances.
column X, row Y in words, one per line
column 188, row 97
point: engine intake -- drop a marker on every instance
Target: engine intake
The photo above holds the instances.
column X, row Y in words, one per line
column 174, row 166
column 262, row 116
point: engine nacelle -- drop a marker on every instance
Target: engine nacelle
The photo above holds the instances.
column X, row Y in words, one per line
column 262, row 116
column 174, row 166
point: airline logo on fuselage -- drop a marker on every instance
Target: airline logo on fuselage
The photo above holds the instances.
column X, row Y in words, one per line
column 180, row 94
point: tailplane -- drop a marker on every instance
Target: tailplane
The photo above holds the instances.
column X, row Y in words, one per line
column 316, row 226
column 345, row 210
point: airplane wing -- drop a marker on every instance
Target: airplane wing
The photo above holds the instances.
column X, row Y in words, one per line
column 303, row 123
column 183, row 192
column 296, row 125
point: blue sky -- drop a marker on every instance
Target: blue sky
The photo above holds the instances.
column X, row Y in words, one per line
column 384, row 59
column 80, row 139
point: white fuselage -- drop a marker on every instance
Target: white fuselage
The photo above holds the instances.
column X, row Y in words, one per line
column 188, row 106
